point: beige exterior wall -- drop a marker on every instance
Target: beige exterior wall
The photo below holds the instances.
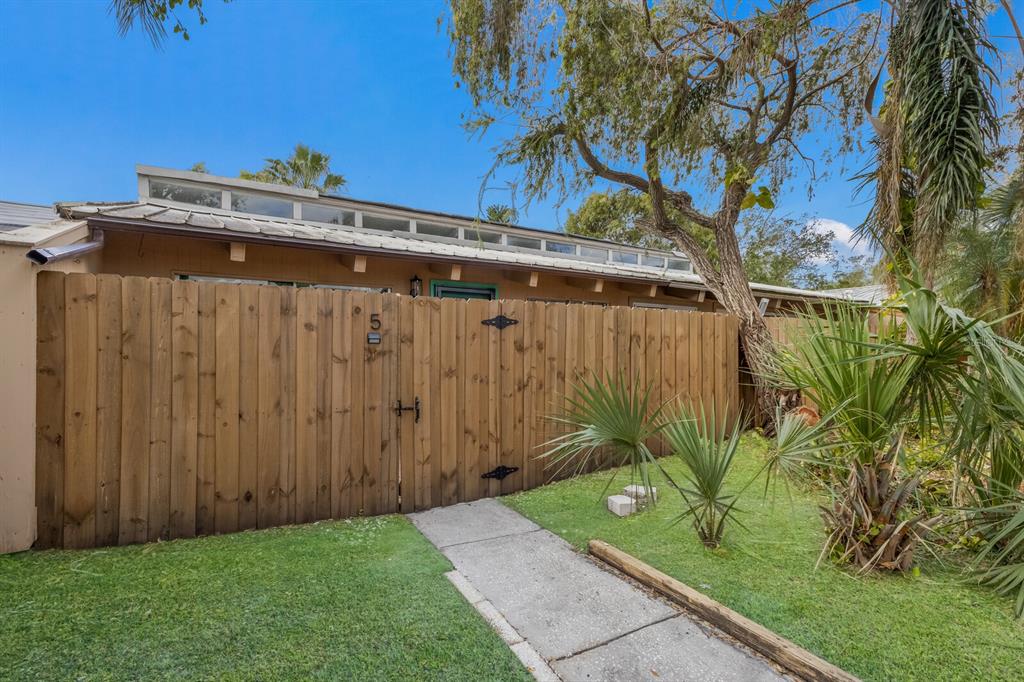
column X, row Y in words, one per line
column 17, row 395
column 164, row 256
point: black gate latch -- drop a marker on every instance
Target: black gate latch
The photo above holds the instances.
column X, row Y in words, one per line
column 500, row 472
column 399, row 409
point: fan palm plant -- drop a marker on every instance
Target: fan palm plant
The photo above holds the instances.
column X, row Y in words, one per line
column 938, row 374
column 708, row 452
column 611, row 418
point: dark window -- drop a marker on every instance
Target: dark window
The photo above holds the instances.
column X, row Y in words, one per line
column 440, row 289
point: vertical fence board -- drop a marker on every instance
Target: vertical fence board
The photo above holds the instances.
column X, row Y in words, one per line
column 50, row 385
column 324, row 400
column 268, row 369
column 373, row 413
column 493, row 413
column 248, row 404
column 533, row 400
column 695, row 374
column 421, row 382
column 388, row 460
column 507, row 390
column 206, row 426
column 108, row 408
column 519, row 445
column 184, row 407
column 355, row 464
column 305, row 406
column 133, row 511
column 407, row 393
column 341, row 403
column 226, row 432
column 449, row 391
column 160, row 411
column 80, row 415
column 472, row 383
column 289, row 365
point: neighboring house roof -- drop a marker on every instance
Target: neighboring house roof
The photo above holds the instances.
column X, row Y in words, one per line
column 872, row 293
column 170, row 218
column 14, row 214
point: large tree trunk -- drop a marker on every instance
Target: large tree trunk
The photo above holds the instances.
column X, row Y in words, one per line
column 758, row 348
column 732, row 288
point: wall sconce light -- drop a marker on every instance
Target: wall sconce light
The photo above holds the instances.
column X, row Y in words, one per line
column 415, row 286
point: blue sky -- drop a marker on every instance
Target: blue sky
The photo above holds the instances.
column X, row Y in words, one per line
column 368, row 82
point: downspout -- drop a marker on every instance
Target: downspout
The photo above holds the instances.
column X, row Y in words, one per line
column 58, row 253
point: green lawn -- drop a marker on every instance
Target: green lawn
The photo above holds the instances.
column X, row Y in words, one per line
column 363, row 599
column 930, row 627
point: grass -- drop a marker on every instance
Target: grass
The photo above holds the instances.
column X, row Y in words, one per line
column 933, row 626
column 361, row 599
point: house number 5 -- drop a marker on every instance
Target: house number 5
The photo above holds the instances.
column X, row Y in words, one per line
column 374, row 320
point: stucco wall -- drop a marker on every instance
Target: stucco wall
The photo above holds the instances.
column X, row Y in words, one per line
column 18, row 390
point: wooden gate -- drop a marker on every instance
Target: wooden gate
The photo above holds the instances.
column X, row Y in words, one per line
column 169, row 409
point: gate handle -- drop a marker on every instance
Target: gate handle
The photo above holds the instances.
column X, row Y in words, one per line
column 399, row 408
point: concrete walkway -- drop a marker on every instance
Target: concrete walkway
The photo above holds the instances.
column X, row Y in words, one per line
column 566, row 616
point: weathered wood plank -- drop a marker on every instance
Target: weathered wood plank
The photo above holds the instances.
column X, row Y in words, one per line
column 108, row 408
column 507, row 417
column 160, row 411
column 448, row 405
column 373, row 419
column 696, row 378
column 406, row 431
column 136, row 378
column 248, row 405
column 268, row 459
column 305, row 406
column 227, row 408
column 475, row 394
column 80, row 417
column 184, row 407
column 50, row 402
column 206, row 426
column 388, row 472
column 359, row 322
column 324, row 400
column 781, row 651
column 289, row 365
column 422, row 441
column 493, row 430
column 341, row 403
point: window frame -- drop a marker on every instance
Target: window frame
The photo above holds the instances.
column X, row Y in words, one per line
column 438, row 287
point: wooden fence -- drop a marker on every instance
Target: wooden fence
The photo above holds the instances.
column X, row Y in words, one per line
column 170, row 409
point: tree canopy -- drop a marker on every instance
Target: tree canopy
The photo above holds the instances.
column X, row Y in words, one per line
column 704, row 113
column 776, row 250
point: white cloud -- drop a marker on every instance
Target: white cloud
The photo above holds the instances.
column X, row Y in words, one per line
column 842, row 234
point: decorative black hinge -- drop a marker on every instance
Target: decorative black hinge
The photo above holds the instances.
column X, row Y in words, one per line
column 400, row 408
column 500, row 472
column 501, row 322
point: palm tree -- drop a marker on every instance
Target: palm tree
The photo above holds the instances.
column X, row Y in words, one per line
column 152, row 17
column 933, row 131
column 305, row 168
column 930, row 372
column 985, row 261
column 501, row 213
